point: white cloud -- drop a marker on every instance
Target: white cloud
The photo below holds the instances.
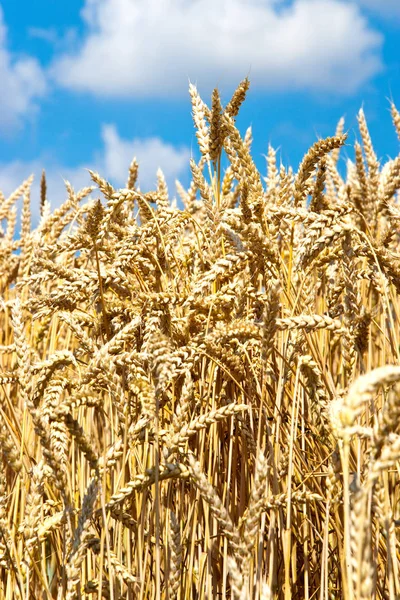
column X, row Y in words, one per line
column 22, row 83
column 112, row 162
column 151, row 153
column 46, row 34
column 151, row 48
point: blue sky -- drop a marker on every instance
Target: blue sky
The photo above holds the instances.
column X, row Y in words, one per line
column 92, row 83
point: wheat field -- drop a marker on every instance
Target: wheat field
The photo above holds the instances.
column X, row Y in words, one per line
column 203, row 403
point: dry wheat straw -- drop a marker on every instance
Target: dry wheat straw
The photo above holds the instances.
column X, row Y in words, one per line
column 203, row 403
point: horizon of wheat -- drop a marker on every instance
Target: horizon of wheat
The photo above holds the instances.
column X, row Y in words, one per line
column 203, row 402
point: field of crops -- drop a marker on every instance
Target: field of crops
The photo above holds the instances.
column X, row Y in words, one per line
column 202, row 402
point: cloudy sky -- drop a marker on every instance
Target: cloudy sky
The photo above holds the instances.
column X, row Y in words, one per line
column 92, row 83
